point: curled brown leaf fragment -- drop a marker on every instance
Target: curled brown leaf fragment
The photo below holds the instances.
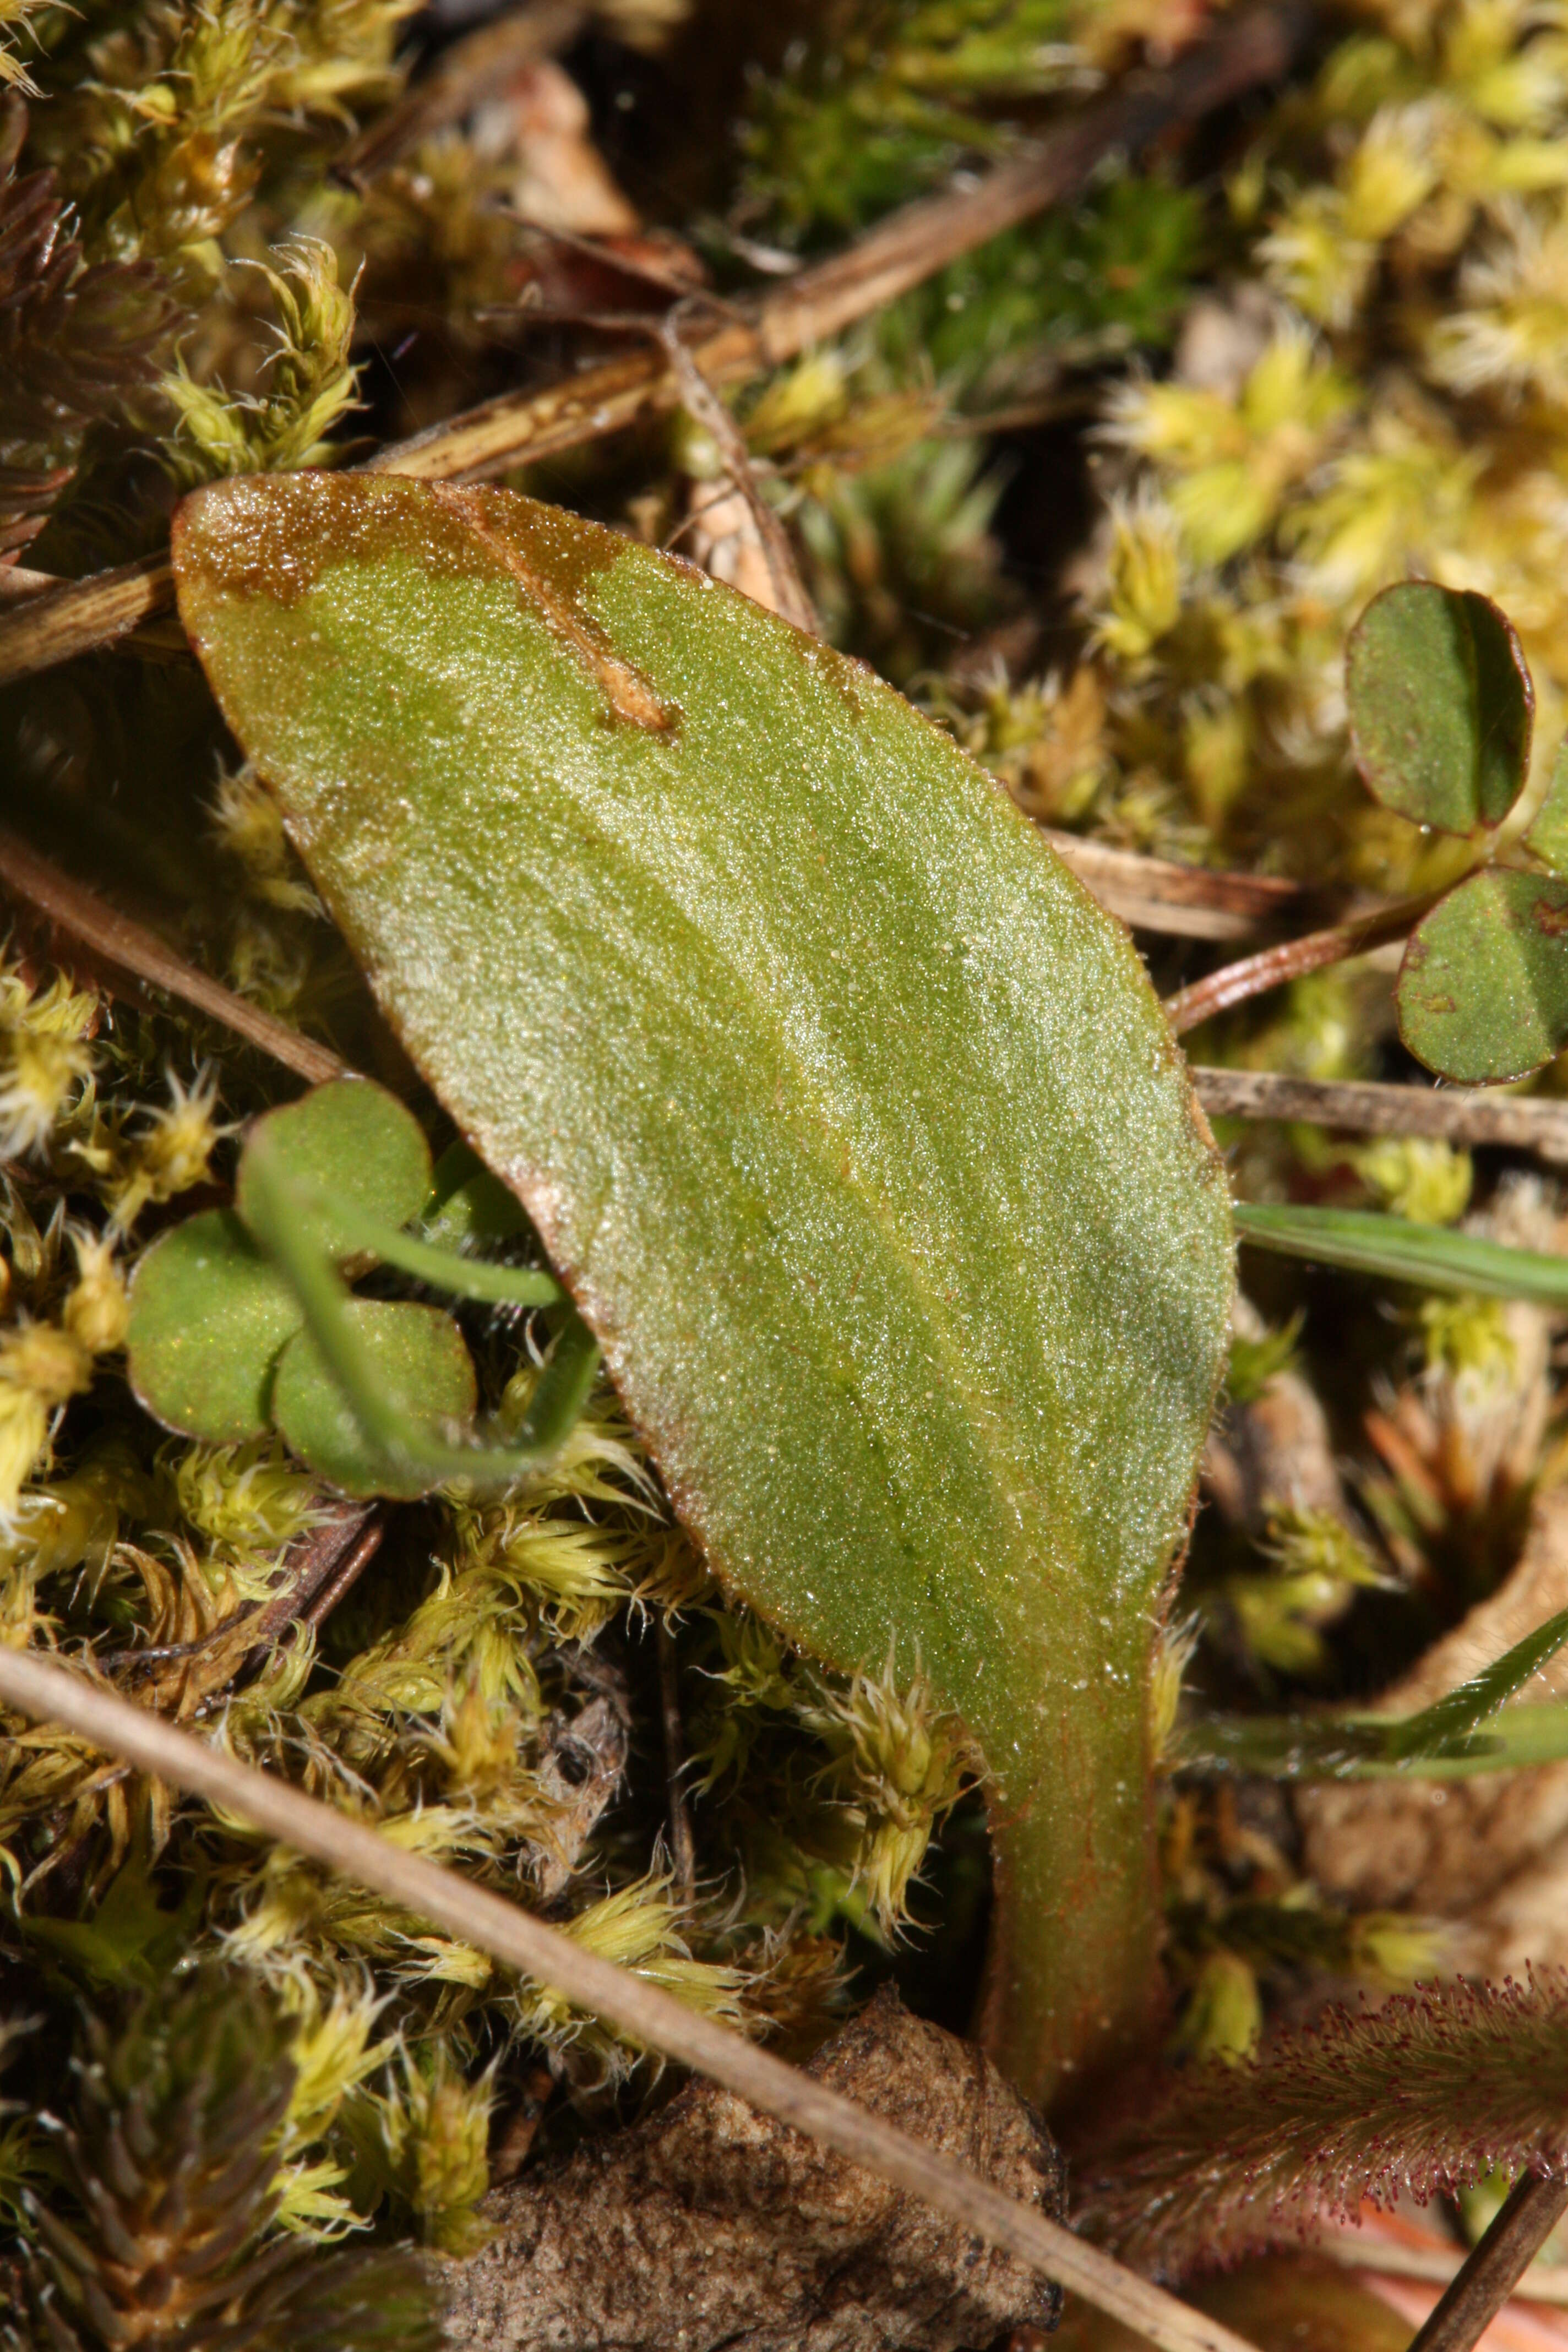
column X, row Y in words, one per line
column 1490, row 1853
column 1274, row 1452
column 711, row 2224
column 581, row 1772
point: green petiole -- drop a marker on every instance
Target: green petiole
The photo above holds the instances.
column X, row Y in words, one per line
column 460, row 1278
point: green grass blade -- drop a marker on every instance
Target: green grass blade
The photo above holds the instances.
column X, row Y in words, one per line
column 1432, row 1256
column 1446, row 1724
column 1437, row 1741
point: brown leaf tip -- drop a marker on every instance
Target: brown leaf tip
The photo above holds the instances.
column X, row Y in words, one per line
column 276, row 536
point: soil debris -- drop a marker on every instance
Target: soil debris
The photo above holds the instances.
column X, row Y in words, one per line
column 711, row 2225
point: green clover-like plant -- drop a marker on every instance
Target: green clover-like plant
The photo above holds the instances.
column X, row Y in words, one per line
column 241, row 1320
column 1441, row 710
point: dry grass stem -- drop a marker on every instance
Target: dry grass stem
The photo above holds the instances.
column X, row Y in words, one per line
column 1365, row 1107
column 76, row 617
column 131, row 958
column 1541, row 2282
column 1189, row 902
column 1493, row 2268
column 900, row 253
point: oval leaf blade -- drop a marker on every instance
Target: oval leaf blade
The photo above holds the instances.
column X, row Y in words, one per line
column 424, row 1365
column 1483, row 989
column 850, row 1120
column 208, row 1315
column 1440, row 705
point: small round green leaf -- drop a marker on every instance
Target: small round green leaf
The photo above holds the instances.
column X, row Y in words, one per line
column 208, row 1317
column 1548, row 835
column 1483, row 990
column 424, row 1367
column 1441, row 706
column 353, row 1141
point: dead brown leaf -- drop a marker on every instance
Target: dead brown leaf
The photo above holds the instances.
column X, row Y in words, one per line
column 711, row 2224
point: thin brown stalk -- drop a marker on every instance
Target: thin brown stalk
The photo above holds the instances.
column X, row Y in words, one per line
column 1255, row 975
column 702, row 404
column 1541, row 2282
column 132, row 960
column 1493, row 2269
column 682, row 1845
column 326, row 1563
column 1460, row 1113
column 36, row 1686
column 76, row 616
column 902, row 252
column 465, row 73
column 344, row 1572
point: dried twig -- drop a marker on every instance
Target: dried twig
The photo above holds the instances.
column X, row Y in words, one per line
column 133, row 960
column 1236, row 984
column 75, row 616
column 1461, row 1114
column 682, row 1845
column 35, row 1686
column 900, row 253
column 343, row 1572
column 1493, row 2269
column 1541, row 2283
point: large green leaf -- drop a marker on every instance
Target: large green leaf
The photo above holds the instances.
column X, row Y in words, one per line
column 1483, row 989
column 1440, row 704
column 849, row 1119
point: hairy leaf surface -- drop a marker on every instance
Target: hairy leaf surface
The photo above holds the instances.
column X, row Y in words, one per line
column 850, row 1120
